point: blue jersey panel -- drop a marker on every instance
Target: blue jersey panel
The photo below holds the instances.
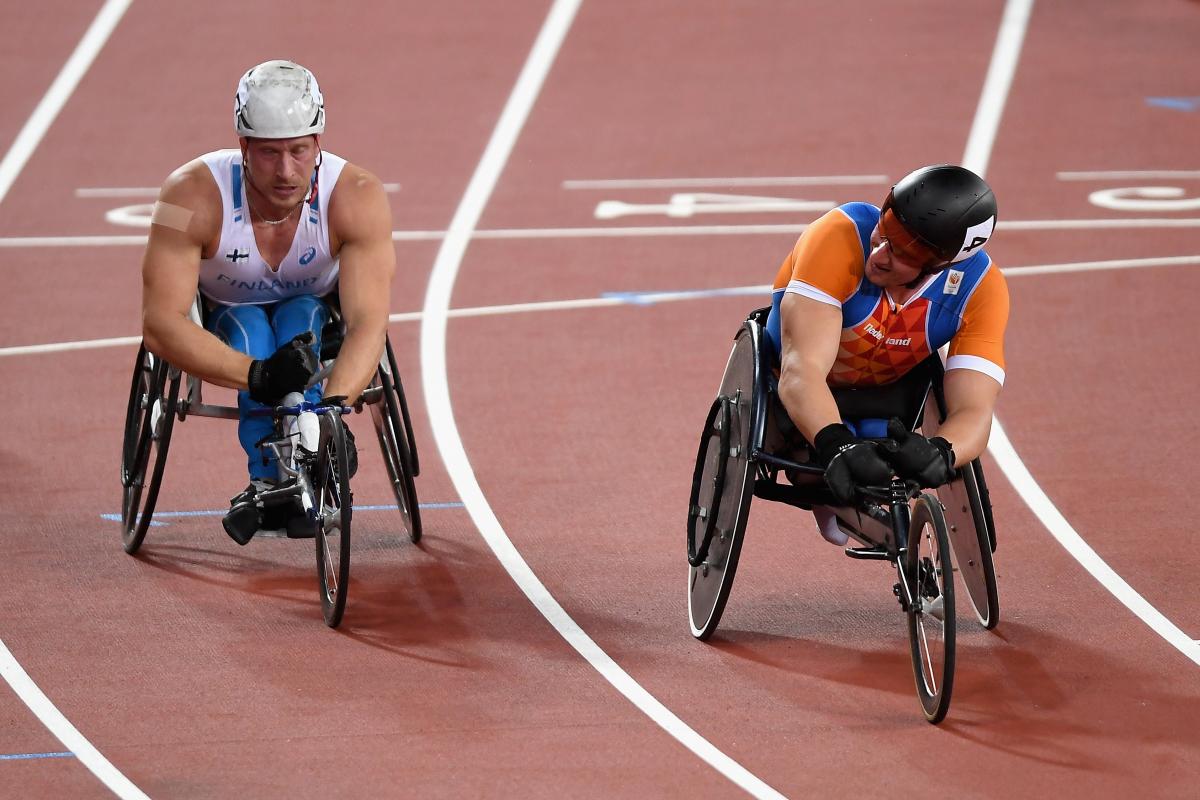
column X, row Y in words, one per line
column 865, row 217
column 947, row 299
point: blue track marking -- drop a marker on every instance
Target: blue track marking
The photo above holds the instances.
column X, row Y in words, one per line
column 650, row 298
column 220, row 512
column 1176, row 103
column 32, row 756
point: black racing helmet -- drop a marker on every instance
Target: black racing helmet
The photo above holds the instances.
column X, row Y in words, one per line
column 947, row 212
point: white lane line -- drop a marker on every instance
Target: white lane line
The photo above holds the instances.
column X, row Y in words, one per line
column 1062, row 530
column 117, row 192
column 1092, row 266
column 445, row 429
column 643, row 230
column 979, row 147
column 996, row 85
column 1097, row 224
column 90, row 192
column 73, row 241
column 63, row 730
column 14, row 161
column 61, row 347
column 611, row 299
column 59, row 92
column 1127, row 174
column 666, row 183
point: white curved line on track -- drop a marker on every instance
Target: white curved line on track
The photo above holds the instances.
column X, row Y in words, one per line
column 445, row 429
column 433, row 332
column 14, row 161
column 978, row 152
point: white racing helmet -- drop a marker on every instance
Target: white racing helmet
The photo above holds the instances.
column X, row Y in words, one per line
column 278, row 100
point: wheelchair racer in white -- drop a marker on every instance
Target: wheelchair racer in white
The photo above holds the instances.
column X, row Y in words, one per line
column 267, row 233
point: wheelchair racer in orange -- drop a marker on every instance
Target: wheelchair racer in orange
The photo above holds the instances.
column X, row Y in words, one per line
column 869, row 293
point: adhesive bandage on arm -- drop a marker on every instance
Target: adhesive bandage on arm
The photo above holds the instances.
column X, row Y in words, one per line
column 171, row 216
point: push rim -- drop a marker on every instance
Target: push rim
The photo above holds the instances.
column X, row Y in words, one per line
column 413, row 459
column 397, row 457
column 150, row 418
column 971, row 545
column 726, row 453
column 334, row 508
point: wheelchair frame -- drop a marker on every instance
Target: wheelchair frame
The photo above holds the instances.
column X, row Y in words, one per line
column 748, row 441
column 155, row 403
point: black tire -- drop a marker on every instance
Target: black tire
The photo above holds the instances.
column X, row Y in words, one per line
column 971, row 543
column 929, row 597
column 149, row 420
column 334, row 508
column 722, row 487
column 414, row 458
column 397, row 457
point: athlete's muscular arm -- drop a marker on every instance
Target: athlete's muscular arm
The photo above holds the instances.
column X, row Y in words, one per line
column 971, row 394
column 811, row 331
column 970, row 400
column 361, row 235
column 187, row 219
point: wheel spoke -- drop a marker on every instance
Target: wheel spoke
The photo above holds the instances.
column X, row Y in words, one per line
column 330, row 570
column 930, row 678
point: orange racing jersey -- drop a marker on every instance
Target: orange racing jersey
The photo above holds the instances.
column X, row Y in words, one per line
column 964, row 306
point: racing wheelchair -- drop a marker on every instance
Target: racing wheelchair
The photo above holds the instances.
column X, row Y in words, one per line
column 309, row 443
column 749, row 442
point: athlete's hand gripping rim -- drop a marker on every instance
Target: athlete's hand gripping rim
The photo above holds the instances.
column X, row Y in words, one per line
column 929, row 462
column 850, row 462
column 288, row 369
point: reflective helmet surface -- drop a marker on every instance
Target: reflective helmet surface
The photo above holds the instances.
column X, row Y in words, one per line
column 278, row 100
column 948, row 211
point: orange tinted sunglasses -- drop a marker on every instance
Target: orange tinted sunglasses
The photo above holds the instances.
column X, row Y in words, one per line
column 910, row 249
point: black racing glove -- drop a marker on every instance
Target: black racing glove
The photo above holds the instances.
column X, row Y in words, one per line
column 929, row 462
column 287, row 370
column 351, row 445
column 849, row 462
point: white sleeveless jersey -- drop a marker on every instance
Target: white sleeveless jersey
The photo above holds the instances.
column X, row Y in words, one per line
column 237, row 273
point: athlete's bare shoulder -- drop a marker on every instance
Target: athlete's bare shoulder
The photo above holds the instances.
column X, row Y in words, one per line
column 358, row 185
column 358, row 206
column 191, row 199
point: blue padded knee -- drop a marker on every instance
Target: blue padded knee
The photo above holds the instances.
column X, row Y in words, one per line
column 293, row 317
column 244, row 328
column 247, row 330
column 869, row 428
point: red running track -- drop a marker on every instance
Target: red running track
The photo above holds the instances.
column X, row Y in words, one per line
column 200, row 669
